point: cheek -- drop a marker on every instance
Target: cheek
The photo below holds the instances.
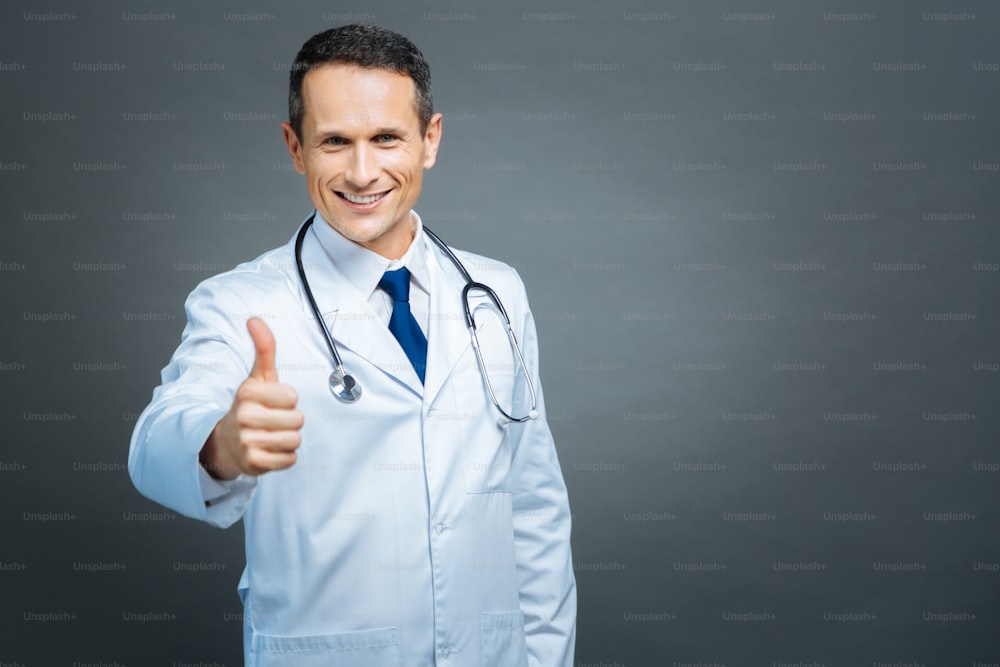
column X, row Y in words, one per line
column 322, row 169
column 404, row 167
column 316, row 181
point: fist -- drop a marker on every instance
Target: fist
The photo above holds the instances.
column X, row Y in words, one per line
column 260, row 433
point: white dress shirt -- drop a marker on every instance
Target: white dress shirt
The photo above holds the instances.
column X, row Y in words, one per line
column 364, row 268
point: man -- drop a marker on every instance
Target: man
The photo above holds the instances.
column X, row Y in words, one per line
column 415, row 525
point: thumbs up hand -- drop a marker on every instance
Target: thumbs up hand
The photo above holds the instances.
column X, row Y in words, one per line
column 260, row 433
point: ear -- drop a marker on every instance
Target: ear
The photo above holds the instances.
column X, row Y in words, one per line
column 432, row 139
column 294, row 147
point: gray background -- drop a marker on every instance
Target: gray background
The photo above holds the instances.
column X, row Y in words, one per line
column 761, row 245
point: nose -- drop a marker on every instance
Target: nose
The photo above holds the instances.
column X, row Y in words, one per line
column 362, row 169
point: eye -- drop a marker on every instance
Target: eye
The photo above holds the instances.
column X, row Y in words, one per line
column 385, row 138
column 335, row 141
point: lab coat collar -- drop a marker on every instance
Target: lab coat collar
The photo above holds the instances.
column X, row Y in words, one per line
column 331, row 262
column 448, row 338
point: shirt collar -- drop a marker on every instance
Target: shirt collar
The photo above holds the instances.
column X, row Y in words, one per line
column 364, row 268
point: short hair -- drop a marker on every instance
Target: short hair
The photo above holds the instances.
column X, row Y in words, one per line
column 365, row 46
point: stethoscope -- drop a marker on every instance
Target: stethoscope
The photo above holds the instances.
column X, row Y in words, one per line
column 346, row 388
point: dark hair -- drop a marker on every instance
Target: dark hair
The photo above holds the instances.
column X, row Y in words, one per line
column 365, row 46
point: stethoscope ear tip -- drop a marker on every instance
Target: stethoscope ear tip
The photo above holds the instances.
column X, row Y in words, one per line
column 502, row 421
column 533, row 414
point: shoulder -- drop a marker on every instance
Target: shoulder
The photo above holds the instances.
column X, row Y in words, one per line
column 485, row 269
column 499, row 276
column 268, row 274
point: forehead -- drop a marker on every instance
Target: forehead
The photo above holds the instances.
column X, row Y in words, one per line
column 349, row 95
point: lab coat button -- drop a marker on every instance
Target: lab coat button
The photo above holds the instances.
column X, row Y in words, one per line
column 440, row 528
column 446, row 652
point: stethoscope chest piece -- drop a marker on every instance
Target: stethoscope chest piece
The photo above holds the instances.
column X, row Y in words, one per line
column 344, row 387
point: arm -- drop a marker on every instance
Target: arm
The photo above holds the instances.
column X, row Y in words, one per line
column 541, row 524
column 208, row 415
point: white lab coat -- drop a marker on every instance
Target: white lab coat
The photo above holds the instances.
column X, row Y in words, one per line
column 414, row 529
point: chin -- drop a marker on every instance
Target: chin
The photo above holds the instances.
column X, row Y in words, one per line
column 360, row 231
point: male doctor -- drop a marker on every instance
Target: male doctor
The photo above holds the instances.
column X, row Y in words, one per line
column 414, row 526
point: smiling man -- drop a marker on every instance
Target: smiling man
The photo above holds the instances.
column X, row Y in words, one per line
column 363, row 146
column 407, row 508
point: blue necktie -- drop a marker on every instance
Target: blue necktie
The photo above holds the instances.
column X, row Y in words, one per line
column 402, row 325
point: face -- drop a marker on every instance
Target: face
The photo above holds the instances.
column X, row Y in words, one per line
column 362, row 152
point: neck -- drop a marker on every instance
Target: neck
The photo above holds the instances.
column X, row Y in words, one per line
column 394, row 243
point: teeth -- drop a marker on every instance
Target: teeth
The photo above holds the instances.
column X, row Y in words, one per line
column 354, row 199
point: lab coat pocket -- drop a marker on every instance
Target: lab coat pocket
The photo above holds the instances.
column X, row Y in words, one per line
column 378, row 647
column 486, row 451
column 503, row 640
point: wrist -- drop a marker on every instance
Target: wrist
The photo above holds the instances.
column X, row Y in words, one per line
column 212, row 460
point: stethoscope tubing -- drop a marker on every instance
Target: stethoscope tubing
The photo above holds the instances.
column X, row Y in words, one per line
column 347, row 389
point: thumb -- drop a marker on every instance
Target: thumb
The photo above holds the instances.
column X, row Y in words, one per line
column 263, row 342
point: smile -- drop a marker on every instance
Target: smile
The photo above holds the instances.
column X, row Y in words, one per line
column 362, row 199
